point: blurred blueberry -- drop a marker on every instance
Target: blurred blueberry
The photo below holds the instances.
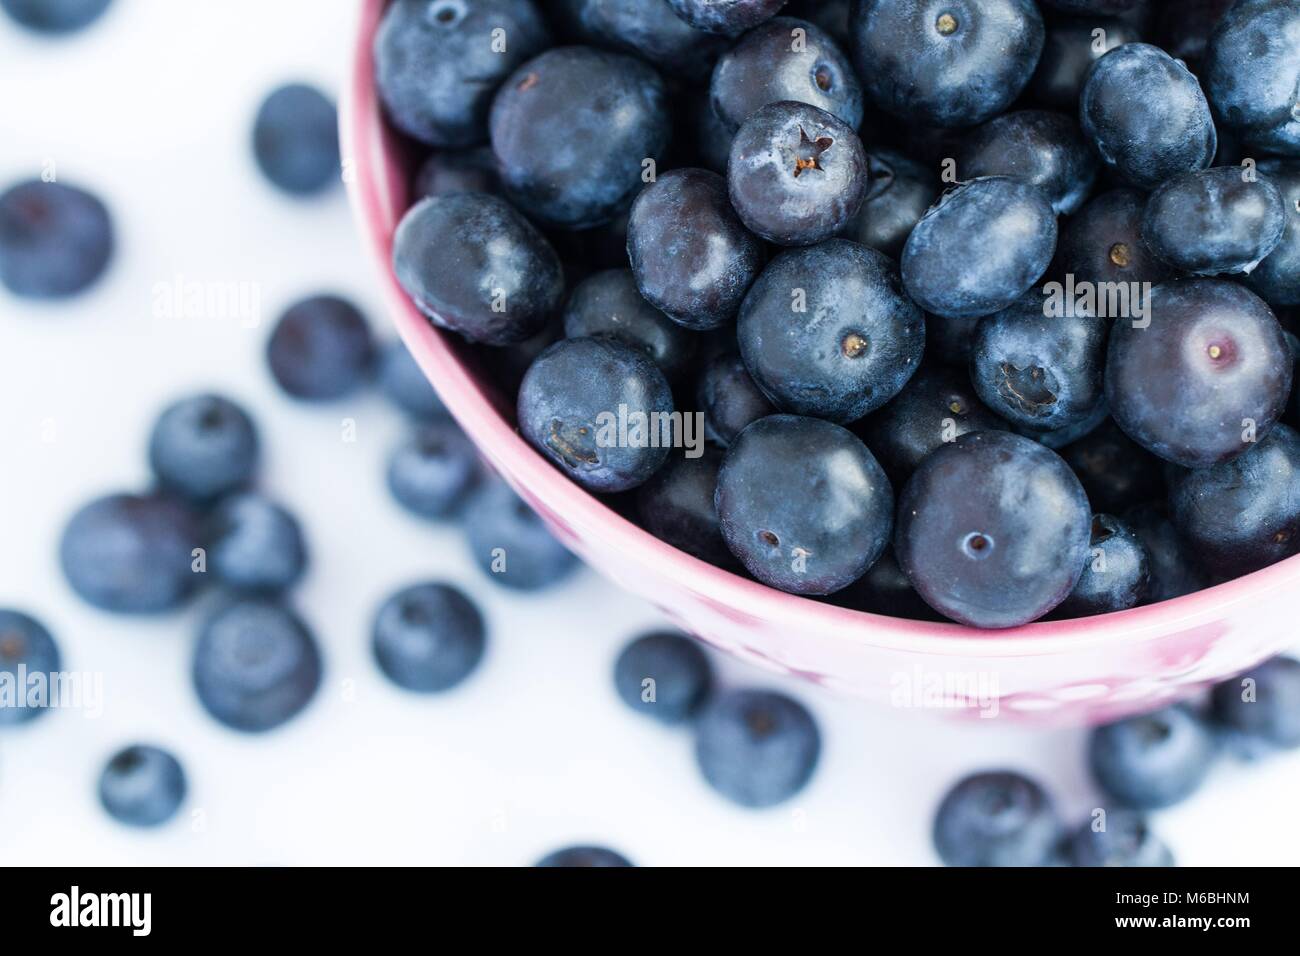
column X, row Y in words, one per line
column 583, row 856
column 404, row 383
column 55, row 16
column 996, row 818
column 1153, row 760
column 26, row 644
column 432, row 472
column 320, row 349
column 510, row 543
column 296, row 139
column 1125, row 840
column 55, row 239
column 1261, row 708
column 428, row 637
column 255, row 545
column 203, row 446
column 664, row 675
column 756, row 748
column 142, row 786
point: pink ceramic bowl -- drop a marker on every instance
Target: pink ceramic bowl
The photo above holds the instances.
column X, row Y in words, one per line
column 1067, row 671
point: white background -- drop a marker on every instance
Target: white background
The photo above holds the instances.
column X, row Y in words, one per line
column 152, row 108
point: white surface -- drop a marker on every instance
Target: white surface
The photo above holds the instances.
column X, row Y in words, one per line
column 152, row 109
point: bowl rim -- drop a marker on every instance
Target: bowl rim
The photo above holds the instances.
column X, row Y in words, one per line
column 365, row 139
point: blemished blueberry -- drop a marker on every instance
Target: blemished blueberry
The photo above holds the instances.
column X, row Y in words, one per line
column 1102, row 245
column 828, row 331
column 757, row 748
column 437, row 64
column 472, row 264
column 142, row 786
column 729, row 398
column 1262, row 705
column 600, row 411
column 428, row 637
column 900, row 193
column 574, row 131
column 131, row 554
column 320, row 349
column 1116, row 573
column 583, row 856
column 692, row 257
column 1277, row 278
column 1214, row 221
column 885, row 589
column 1114, row 470
column 993, row 529
column 1039, row 147
column 980, row 248
column 1069, row 51
column 676, row 506
column 947, row 64
column 255, row 544
column 203, row 446
column 404, row 383
column 650, row 29
column 796, row 174
column 608, row 305
column 1153, row 760
column 432, row 472
column 1244, row 514
column 772, row 63
column 1175, row 568
column 296, row 139
column 936, row 406
column 446, row 173
column 803, row 504
column 726, row 16
column 256, row 666
column 55, row 239
column 996, row 818
column 1207, row 373
column 663, row 675
column 1122, row 837
column 1037, row 371
column 26, row 644
column 510, row 543
column 1146, row 116
column 1252, row 74
column 55, row 16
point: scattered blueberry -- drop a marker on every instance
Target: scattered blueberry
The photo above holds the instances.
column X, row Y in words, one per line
column 55, row 239
column 203, row 446
column 404, row 383
column 608, row 305
column 1038, row 147
column 320, row 349
column 676, row 506
column 433, row 471
column 729, row 398
column 510, row 543
column 996, row 818
column 296, row 139
column 55, row 16
column 1121, row 838
column 26, row 644
column 428, row 637
column 1252, row 73
column 142, row 786
column 1262, row 705
column 756, row 748
column 583, row 856
column 663, row 675
column 1116, row 573
column 255, row 545
column 1154, row 760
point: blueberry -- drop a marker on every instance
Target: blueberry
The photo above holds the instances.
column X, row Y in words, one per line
column 608, row 305
column 650, row 29
column 1069, row 52
column 55, row 239
column 1277, row 278
column 691, row 256
column 886, row 590
column 55, row 16
column 663, row 675
column 728, row 398
column 428, row 637
column 457, row 171
column 936, row 406
column 948, row 339
column 142, row 786
column 1102, row 245
column 438, row 63
column 676, row 506
column 1183, row 29
column 828, row 331
column 803, row 504
column 1125, row 840
column 726, row 16
column 404, row 383
column 1058, row 438
column 993, row 529
column 1214, row 221
column 1262, row 705
column 981, row 248
column 1038, row 371
column 296, row 139
column 996, row 818
column 510, row 543
column 432, row 472
column 955, row 63
column 203, row 446
column 757, row 748
column 1116, row 573
column 26, row 647
column 1252, row 74
column 1211, row 373
column 1114, row 470
column 900, row 193
column 1175, row 569
column 773, row 62
column 796, row 174
column 1244, row 514
column 474, row 265
column 131, row 554
column 256, row 666
column 601, row 411
column 255, row 544
column 320, row 349
column 1154, row 760
column 831, row 15
column 1146, row 116
column 583, row 856
column 573, row 130
column 1038, row 147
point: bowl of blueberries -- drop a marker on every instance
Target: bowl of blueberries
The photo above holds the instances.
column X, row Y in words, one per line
column 870, row 339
